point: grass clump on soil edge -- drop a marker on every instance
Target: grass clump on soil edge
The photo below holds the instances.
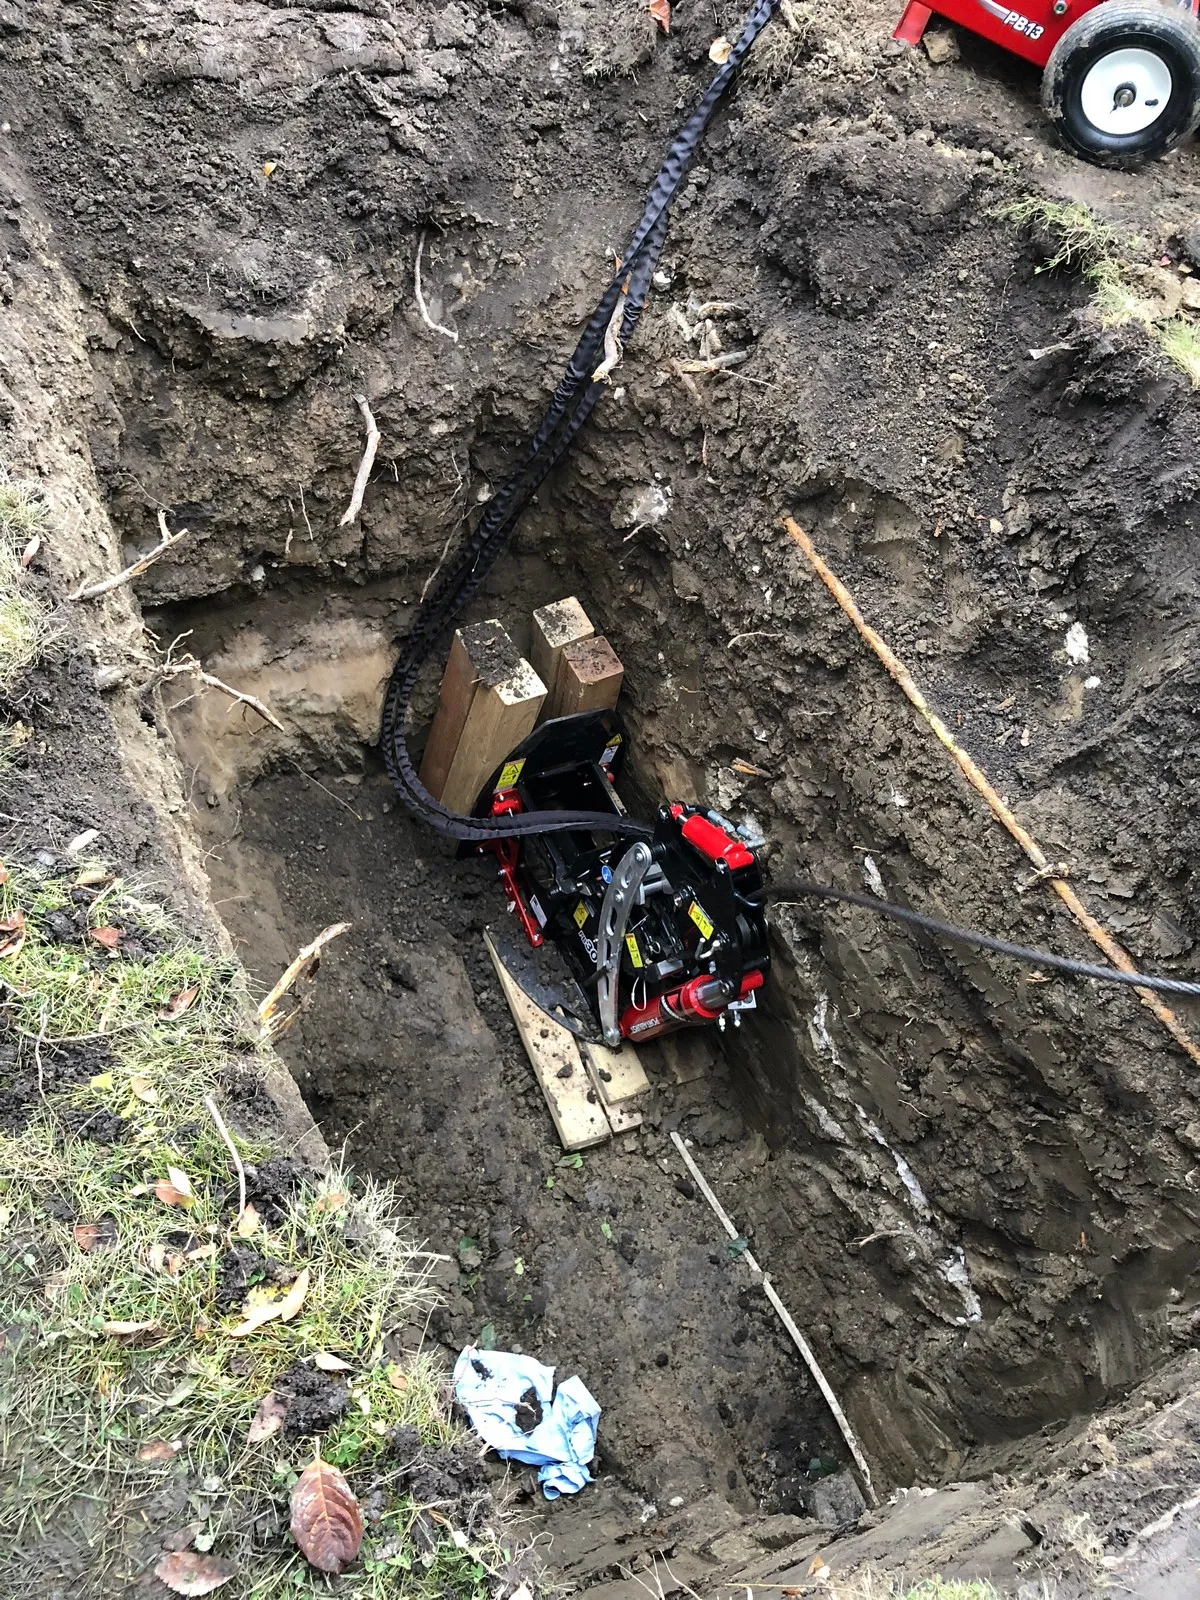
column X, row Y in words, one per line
column 124, row 1274
column 1124, row 289
column 24, row 627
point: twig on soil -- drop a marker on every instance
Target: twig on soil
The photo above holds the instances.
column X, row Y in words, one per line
column 784, row 1315
column 211, row 1106
column 304, row 966
column 1096, row 932
column 758, row 633
column 304, row 513
column 189, row 664
column 435, row 327
column 89, row 591
column 612, row 339
column 365, row 465
column 445, row 551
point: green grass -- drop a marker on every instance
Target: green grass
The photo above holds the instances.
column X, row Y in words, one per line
column 88, row 1399
column 23, row 624
column 1075, row 239
column 874, row 1585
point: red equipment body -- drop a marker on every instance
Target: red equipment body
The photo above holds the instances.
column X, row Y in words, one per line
column 1031, row 32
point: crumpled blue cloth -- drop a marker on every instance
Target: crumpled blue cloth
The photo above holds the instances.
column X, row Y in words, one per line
column 490, row 1385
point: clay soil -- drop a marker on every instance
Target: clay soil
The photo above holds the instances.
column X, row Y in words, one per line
column 973, row 1188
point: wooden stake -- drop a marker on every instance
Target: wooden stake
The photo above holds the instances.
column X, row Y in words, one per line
column 459, row 682
column 501, row 715
column 590, row 677
column 555, row 626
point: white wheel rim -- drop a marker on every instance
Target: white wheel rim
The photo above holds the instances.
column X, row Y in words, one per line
column 1126, row 90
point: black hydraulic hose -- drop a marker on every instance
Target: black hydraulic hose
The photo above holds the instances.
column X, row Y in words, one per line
column 574, row 399
column 803, row 889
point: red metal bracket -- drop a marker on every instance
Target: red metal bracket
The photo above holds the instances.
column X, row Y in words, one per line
column 911, row 27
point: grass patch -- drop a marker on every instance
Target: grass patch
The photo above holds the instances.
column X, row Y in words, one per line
column 132, row 1393
column 1074, row 239
column 23, row 625
column 874, row 1585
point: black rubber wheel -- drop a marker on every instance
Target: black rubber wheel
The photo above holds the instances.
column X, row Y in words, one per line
column 1122, row 85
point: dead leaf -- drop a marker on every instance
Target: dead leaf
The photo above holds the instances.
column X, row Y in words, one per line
column 92, row 878
column 720, row 50
column 326, row 1522
column 31, row 549
column 100, row 1235
column 269, row 168
column 332, row 1202
column 263, row 1306
column 204, row 1252
column 180, row 1538
column 102, row 1080
column 248, row 1223
column 398, row 1379
column 109, row 937
column 181, row 1181
column 160, row 1450
column 117, row 1330
column 268, row 1419
column 12, row 934
column 144, row 1090
column 660, row 10
column 3, row 873
column 171, row 1195
column 160, row 1259
column 817, row 1567
column 179, row 1003
column 185, row 1572
column 328, row 1363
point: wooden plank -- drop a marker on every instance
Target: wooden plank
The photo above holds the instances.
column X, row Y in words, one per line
column 555, row 626
column 590, row 676
column 606, row 1071
column 481, row 653
column 621, row 1074
column 580, row 1122
column 500, row 717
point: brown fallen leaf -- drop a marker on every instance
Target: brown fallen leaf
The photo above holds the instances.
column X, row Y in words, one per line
column 328, row 1363
column 179, row 1003
column 332, row 1202
column 203, row 1252
column 3, row 873
column 248, row 1223
column 326, row 1522
column 660, row 10
column 398, row 1378
column 92, row 878
column 100, row 1235
column 186, row 1572
column 109, row 937
column 31, row 549
column 12, row 934
column 116, row 1330
column 263, row 1306
column 142, row 1089
column 180, row 1538
column 268, row 1419
column 171, row 1195
column 160, row 1450
column 160, row 1259
column 720, row 50
column 815, row 1566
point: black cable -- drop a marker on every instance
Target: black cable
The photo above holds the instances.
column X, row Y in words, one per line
column 803, row 889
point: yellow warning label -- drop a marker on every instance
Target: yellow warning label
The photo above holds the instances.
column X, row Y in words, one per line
column 696, row 912
column 635, row 955
column 610, row 749
column 510, row 773
column 581, row 914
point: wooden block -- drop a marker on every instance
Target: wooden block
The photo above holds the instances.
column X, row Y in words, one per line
column 590, row 676
column 578, row 1121
column 555, row 626
column 619, row 1071
column 480, row 653
column 621, row 1074
column 500, row 717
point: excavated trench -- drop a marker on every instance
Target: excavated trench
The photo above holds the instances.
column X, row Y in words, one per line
column 974, row 1189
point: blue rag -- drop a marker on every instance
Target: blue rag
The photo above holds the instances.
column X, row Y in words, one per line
column 490, row 1385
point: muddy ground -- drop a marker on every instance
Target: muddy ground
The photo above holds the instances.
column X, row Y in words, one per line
column 240, row 192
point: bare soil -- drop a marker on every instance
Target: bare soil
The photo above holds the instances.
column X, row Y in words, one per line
column 973, row 1188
